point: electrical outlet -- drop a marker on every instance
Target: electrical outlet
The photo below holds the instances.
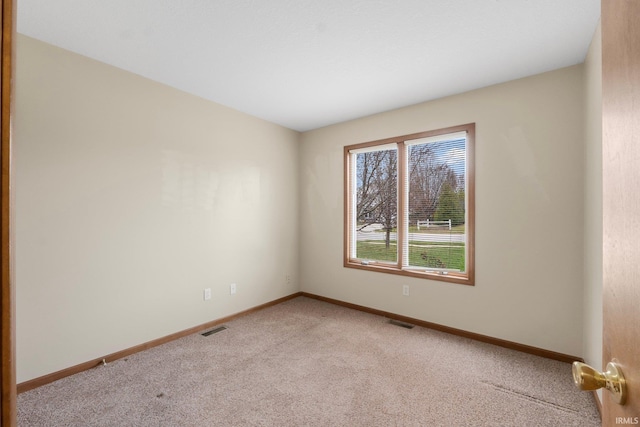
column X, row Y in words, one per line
column 287, row 278
column 405, row 290
column 207, row 294
column 232, row 288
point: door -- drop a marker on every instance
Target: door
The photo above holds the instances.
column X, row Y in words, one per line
column 621, row 201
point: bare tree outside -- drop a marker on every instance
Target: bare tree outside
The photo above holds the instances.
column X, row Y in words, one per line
column 377, row 191
column 427, row 177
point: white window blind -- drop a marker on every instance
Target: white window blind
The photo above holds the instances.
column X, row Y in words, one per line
column 435, row 200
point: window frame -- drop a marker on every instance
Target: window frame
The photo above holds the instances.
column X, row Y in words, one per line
column 467, row 278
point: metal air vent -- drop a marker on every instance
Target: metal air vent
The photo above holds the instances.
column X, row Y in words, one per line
column 401, row 324
column 213, row 331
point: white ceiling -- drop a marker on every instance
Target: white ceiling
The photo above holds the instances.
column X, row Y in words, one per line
column 305, row 64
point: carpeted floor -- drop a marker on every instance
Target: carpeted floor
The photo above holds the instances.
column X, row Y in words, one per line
column 310, row 363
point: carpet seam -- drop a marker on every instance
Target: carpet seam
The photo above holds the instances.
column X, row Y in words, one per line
column 530, row 398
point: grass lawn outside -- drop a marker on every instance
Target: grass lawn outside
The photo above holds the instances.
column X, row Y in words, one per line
column 421, row 254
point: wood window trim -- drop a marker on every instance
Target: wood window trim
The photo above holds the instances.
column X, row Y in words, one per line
column 396, row 268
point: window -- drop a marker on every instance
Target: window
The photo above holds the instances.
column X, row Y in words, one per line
column 409, row 205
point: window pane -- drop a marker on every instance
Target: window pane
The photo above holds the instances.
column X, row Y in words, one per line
column 376, row 207
column 436, row 205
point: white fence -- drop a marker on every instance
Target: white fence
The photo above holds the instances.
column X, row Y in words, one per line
column 429, row 224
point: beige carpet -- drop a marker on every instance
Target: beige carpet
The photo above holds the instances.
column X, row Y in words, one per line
column 309, row 363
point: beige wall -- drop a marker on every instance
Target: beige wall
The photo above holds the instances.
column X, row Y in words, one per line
column 593, row 204
column 529, row 222
column 131, row 198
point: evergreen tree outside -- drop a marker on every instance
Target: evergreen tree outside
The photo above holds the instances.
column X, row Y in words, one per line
column 450, row 206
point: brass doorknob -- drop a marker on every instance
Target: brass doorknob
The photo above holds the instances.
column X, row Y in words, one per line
column 587, row 378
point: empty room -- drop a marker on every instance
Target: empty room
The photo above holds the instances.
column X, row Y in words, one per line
column 321, row 213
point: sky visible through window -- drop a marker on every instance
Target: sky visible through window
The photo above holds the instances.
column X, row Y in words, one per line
column 452, row 153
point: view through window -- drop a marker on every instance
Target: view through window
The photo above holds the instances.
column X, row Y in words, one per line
column 410, row 205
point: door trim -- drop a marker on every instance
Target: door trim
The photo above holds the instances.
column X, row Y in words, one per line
column 7, row 294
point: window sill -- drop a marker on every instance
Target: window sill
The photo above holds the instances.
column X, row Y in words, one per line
column 393, row 269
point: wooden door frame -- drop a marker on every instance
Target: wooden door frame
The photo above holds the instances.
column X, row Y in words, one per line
column 7, row 292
